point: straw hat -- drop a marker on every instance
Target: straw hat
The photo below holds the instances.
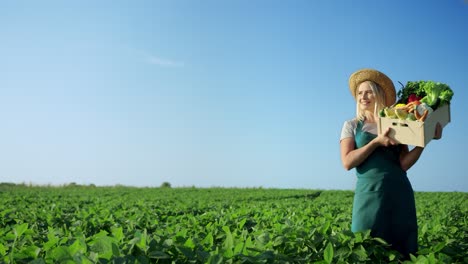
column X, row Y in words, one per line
column 379, row 78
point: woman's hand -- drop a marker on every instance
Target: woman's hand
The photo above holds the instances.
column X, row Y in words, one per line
column 385, row 140
column 438, row 131
column 352, row 157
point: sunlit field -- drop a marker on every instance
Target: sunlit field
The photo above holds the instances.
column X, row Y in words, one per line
column 88, row 224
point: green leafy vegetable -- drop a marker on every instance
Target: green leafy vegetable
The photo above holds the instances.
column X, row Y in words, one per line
column 434, row 94
column 437, row 94
column 445, row 96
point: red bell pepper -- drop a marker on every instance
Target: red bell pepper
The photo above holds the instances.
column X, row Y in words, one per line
column 413, row 97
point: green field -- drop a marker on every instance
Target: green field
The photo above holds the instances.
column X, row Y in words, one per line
column 81, row 224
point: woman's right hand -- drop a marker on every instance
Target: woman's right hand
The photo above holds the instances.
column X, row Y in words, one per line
column 352, row 156
column 384, row 139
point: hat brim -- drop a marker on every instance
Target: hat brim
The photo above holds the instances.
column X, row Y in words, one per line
column 375, row 76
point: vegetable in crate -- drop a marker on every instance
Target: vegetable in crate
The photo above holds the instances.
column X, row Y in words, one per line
column 423, row 107
column 437, row 94
column 410, row 92
column 434, row 94
column 413, row 111
column 401, row 113
column 411, row 117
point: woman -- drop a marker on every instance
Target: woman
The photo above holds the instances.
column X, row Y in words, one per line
column 384, row 199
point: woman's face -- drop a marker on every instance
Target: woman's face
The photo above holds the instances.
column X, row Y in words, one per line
column 365, row 97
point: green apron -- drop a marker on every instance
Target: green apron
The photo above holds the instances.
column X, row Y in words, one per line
column 384, row 199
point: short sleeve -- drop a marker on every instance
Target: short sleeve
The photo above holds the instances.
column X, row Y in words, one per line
column 348, row 130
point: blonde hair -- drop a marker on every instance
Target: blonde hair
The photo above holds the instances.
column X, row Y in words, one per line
column 379, row 96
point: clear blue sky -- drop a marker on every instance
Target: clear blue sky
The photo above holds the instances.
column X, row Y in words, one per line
column 234, row 93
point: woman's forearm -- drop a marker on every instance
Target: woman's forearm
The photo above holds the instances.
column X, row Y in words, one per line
column 357, row 156
column 409, row 159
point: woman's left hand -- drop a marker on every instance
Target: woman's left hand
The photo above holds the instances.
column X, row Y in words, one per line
column 438, row 131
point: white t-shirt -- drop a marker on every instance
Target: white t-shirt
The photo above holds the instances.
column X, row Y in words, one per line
column 349, row 128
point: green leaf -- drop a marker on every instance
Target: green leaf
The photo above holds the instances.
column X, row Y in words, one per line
column 424, row 251
column 20, row 229
column 31, row 251
column 60, row 255
column 208, row 240
column 279, row 240
column 168, row 242
column 431, row 259
column 343, row 251
column 102, row 233
column 229, row 241
column 52, row 241
column 328, row 253
column 358, row 237
column 439, row 246
column 79, row 246
column 117, row 232
column 115, row 250
column 188, row 253
column 142, row 241
column 247, row 244
column 423, row 229
column 242, row 223
column 189, row 243
column 380, row 240
column 238, row 248
column 361, row 253
column 2, row 249
column 264, row 238
column 325, row 227
column 103, row 246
